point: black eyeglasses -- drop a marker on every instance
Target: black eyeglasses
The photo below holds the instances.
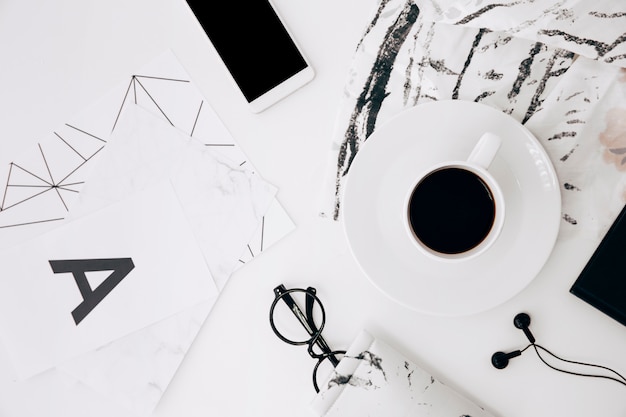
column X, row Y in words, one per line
column 312, row 323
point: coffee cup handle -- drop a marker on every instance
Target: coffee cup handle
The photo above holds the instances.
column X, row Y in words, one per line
column 485, row 150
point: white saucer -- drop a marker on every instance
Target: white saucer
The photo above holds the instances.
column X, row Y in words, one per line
column 381, row 175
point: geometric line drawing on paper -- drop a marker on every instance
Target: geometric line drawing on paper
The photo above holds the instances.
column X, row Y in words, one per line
column 262, row 234
column 218, row 140
column 135, row 81
column 257, row 242
column 145, row 90
column 193, row 129
column 25, row 184
column 245, row 259
column 195, row 121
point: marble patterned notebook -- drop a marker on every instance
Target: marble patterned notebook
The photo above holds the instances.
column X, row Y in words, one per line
column 374, row 379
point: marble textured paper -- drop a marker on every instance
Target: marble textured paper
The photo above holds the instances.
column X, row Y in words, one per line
column 223, row 202
column 100, row 278
column 553, row 65
column 376, row 380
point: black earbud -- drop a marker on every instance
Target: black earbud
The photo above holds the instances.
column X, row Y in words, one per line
column 522, row 321
column 500, row 360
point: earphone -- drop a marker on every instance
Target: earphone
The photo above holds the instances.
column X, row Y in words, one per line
column 500, row 360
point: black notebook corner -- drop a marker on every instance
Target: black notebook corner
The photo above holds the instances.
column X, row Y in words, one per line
column 602, row 282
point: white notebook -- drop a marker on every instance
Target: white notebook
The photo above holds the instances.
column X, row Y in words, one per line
column 373, row 379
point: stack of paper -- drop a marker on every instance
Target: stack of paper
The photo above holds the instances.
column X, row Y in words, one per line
column 118, row 232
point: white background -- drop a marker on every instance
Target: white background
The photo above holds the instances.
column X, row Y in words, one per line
column 59, row 56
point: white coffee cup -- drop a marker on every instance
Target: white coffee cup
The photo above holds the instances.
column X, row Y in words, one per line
column 455, row 210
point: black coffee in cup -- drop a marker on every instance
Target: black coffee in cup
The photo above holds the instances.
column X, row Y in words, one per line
column 451, row 210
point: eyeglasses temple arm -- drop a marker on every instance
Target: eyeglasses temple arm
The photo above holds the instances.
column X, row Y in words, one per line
column 280, row 292
column 319, row 340
column 309, row 325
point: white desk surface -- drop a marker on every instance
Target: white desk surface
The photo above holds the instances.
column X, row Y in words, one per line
column 58, row 56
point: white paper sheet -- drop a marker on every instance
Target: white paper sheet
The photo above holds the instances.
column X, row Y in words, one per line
column 143, row 245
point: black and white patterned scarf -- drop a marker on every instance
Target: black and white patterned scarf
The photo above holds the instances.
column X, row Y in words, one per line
column 553, row 65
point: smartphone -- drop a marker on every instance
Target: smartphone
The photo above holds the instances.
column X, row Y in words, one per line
column 255, row 46
column 602, row 282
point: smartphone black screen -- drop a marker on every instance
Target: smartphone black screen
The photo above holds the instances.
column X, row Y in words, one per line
column 602, row 283
column 252, row 42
